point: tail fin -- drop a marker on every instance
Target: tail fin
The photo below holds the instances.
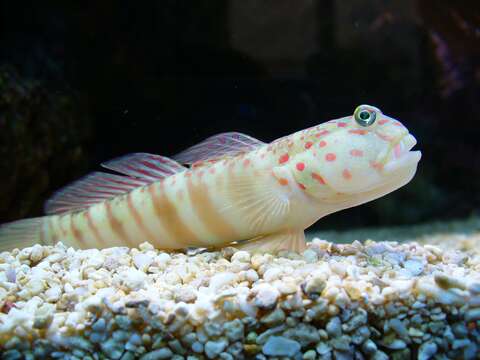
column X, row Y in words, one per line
column 21, row 234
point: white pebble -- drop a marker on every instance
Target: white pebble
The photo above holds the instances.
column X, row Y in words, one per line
column 241, row 256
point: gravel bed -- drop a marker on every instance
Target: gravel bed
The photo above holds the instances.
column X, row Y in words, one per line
column 371, row 300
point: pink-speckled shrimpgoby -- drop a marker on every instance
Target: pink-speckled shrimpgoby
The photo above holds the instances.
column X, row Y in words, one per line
column 229, row 189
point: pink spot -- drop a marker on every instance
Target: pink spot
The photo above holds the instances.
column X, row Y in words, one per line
column 318, row 178
column 211, row 170
column 322, row 143
column 283, row 159
column 396, row 123
column 246, row 162
column 283, row 181
column 383, row 121
column 356, row 152
column 376, row 165
column 300, row 166
column 397, row 150
column 330, row 157
column 321, row 133
column 347, row 174
column 358, row 131
column 200, row 173
column 301, row 186
column 341, row 124
column 308, row 145
column 385, row 137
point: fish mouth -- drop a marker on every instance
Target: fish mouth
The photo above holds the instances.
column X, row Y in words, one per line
column 400, row 154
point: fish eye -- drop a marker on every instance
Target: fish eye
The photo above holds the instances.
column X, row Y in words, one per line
column 364, row 116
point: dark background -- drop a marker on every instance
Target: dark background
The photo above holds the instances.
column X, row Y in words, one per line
column 83, row 82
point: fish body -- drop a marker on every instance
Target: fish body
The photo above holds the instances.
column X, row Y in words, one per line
column 236, row 189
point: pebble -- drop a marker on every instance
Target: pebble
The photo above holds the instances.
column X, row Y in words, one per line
column 334, row 327
column 158, row 354
column 281, row 346
column 310, row 256
column 214, row 348
column 414, row 267
column 275, row 317
column 241, row 256
column 310, row 355
column 472, row 314
column 142, row 261
column 427, row 350
column 266, row 296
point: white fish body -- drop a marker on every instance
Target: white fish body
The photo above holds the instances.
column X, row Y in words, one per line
column 236, row 189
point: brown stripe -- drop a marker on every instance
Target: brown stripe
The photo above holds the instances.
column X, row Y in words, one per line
column 116, row 225
column 92, row 227
column 168, row 215
column 76, row 232
column 52, row 230
column 206, row 211
column 42, row 232
column 138, row 218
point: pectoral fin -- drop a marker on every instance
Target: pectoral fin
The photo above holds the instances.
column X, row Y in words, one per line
column 293, row 240
column 262, row 200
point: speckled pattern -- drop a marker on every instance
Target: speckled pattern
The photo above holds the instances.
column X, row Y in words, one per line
column 361, row 300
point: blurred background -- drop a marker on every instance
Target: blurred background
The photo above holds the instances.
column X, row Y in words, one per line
column 83, row 82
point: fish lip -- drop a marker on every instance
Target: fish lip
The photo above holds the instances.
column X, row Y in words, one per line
column 400, row 154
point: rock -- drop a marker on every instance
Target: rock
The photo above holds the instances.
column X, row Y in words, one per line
column 314, row 287
column 241, row 256
column 427, row 350
column 274, row 318
column 310, row 355
column 334, row 327
column 214, row 348
column 158, row 354
column 234, row 330
column 472, row 314
column 142, row 261
column 112, row 349
column 414, row 267
column 281, row 346
column 266, row 296
column 310, row 256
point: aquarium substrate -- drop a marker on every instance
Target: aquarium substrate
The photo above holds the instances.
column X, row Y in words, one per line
column 371, row 300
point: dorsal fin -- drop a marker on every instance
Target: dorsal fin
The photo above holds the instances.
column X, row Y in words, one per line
column 218, row 146
column 145, row 166
column 142, row 169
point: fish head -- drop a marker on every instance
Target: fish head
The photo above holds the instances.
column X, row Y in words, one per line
column 365, row 153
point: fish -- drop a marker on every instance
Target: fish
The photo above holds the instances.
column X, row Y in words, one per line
column 229, row 190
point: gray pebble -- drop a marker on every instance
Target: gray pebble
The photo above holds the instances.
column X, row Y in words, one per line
column 12, row 355
column 112, row 349
column 274, row 318
column 310, row 354
column 414, row 267
column 427, row 350
column 369, row 347
column 334, row 327
column 214, row 348
column 234, row 330
column 99, row 325
column 281, row 346
column 158, row 354
column 323, row 348
column 472, row 314
column 197, row 347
